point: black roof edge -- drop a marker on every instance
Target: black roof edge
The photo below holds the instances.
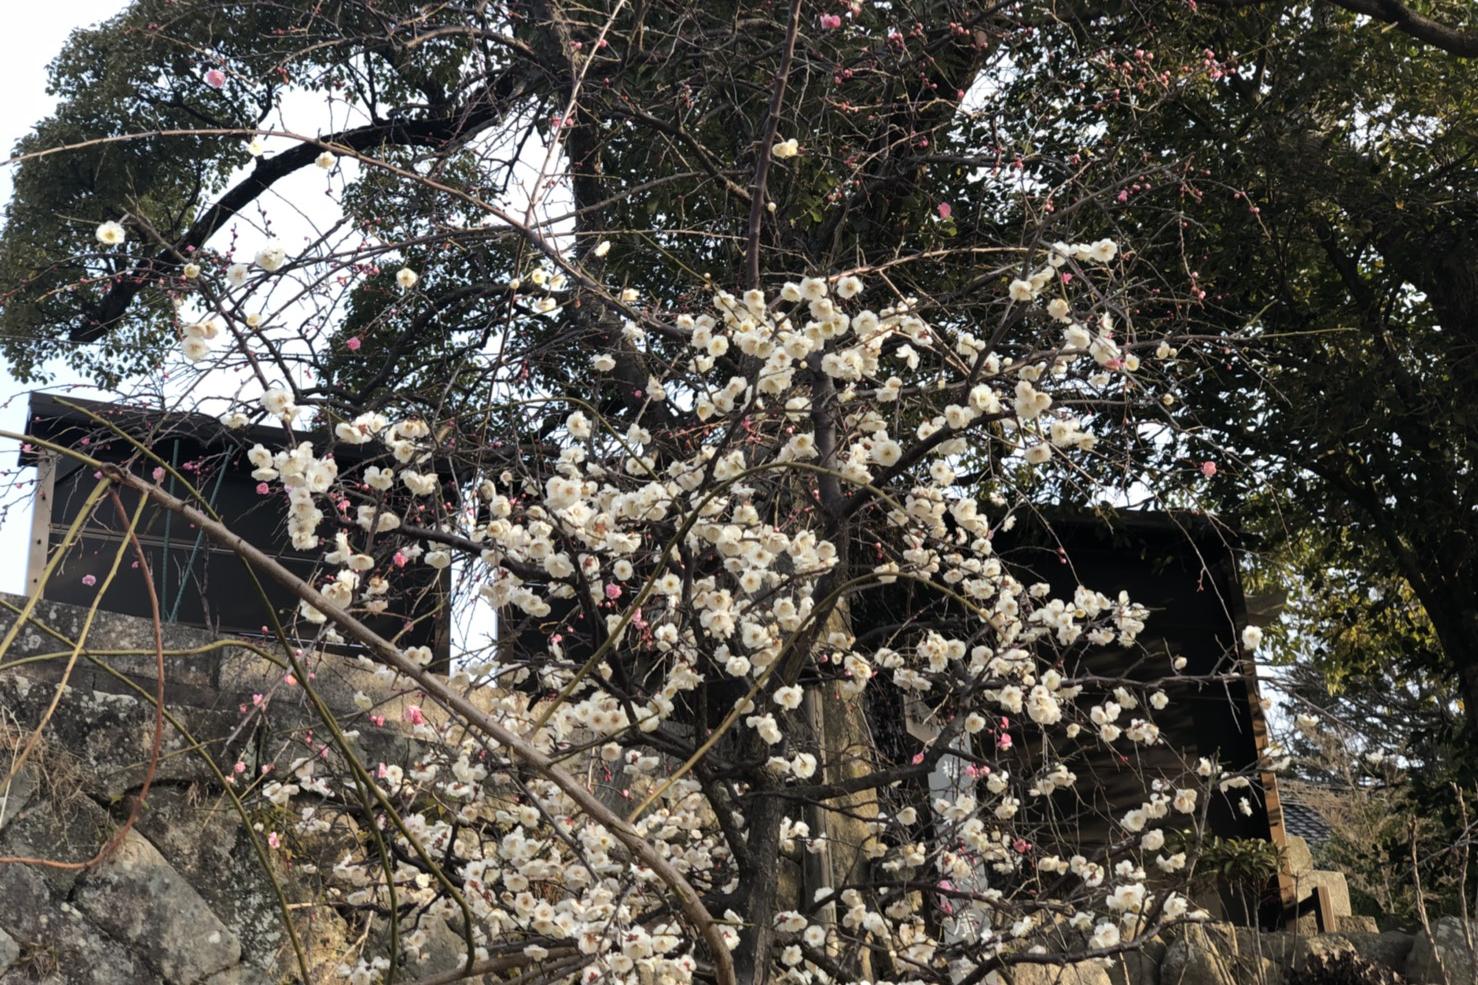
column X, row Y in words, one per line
column 49, row 415
column 1110, row 521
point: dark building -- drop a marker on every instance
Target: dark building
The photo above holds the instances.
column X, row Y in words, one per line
column 1182, row 567
column 197, row 582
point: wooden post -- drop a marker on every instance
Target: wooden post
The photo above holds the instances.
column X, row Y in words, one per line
column 41, row 505
column 1323, row 909
column 1272, row 802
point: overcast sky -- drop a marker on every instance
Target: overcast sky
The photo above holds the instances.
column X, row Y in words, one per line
column 31, row 40
column 33, row 35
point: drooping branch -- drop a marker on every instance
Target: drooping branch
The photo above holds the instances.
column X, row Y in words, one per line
column 1453, row 40
column 520, row 748
column 762, row 148
column 482, row 111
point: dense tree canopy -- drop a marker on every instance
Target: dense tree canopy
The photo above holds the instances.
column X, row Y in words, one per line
column 1328, row 209
column 680, row 326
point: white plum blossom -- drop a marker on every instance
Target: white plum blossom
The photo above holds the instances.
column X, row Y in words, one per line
column 111, row 233
column 194, row 348
column 670, row 537
column 278, row 403
column 271, row 256
column 788, row 698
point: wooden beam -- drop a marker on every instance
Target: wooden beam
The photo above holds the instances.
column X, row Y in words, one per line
column 1286, row 886
column 1323, row 909
column 41, row 505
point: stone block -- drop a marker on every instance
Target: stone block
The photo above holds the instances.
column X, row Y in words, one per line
column 104, row 738
column 1140, row 967
column 239, row 975
column 9, row 951
column 73, row 952
column 1220, row 954
column 22, row 789
column 1339, row 899
column 202, row 837
column 28, row 903
column 1082, row 973
column 442, row 950
column 1460, row 964
column 1312, row 952
column 139, row 899
column 1354, row 924
column 1390, row 948
column 62, row 825
column 1187, row 964
column 1297, row 859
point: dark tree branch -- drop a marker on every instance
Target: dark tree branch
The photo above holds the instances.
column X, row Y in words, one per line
column 480, row 114
column 1450, row 39
column 762, row 151
column 1453, row 40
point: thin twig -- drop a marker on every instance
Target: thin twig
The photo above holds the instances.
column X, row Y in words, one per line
column 687, row 897
column 762, row 151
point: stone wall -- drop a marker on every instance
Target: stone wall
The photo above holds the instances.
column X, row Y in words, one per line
column 185, row 899
column 1220, row 954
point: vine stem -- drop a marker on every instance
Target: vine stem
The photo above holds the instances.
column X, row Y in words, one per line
column 687, row 897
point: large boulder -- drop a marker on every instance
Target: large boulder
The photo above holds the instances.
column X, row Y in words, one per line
column 1220, row 954
column 140, row 900
column 1084, row 973
column 1451, row 944
column 1141, row 967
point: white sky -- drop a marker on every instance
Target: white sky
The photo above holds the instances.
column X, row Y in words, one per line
column 25, row 52
column 298, row 207
column 34, row 34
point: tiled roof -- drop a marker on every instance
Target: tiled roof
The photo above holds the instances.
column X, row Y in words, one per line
column 1304, row 821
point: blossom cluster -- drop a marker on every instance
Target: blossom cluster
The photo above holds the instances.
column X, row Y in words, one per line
column 792, row 452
